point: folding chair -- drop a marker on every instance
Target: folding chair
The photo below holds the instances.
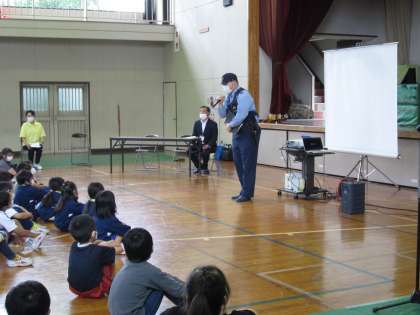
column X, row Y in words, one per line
column 143, row 149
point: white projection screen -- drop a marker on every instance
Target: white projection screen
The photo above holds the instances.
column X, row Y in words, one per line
column 361, row 100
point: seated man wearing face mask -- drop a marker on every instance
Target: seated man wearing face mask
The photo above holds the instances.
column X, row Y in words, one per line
column 206, row 130
column 32, row 134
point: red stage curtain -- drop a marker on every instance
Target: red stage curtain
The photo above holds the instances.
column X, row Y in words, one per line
column 285, row 26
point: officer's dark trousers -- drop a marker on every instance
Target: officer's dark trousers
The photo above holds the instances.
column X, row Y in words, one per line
column 245, row 152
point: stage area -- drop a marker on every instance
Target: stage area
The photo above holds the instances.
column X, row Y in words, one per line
column 281, row 256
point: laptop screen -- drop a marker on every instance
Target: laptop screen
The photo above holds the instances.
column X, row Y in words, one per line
column 312, row 143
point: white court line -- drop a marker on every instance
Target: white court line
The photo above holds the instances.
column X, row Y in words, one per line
column 405, row 256
column 391, row 215
column 58, row 236
column 100, row 172
column 292, row 269
column 206, row 238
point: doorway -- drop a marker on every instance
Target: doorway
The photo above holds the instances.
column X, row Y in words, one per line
column 62, row 108
column 170, row 116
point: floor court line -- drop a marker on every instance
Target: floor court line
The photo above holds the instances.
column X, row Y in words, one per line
column 391, row 215
column 296, row 289
column 292, row 233
column 291, row 269
column 100, row 172
column 58, row 237
column 317, row 295
column 246, row 231
column 266, row 237
column 271, row 301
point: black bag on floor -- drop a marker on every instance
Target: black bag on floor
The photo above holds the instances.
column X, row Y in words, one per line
column 227, row 154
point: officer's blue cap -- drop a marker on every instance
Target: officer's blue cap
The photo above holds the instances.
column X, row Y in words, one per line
column 229, row 77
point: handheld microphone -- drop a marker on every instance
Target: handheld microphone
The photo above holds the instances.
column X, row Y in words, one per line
column 214, row 104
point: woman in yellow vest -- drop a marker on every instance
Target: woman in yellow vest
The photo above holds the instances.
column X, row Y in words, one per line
column 33, row 135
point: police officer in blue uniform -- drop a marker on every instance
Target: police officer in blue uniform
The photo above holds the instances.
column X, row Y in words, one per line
column 241, row 120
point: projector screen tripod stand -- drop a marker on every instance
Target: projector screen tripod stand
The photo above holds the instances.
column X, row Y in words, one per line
column 363, row 173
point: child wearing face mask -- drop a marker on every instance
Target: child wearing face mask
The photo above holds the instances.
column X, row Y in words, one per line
column 28, row 193
column 6, row 162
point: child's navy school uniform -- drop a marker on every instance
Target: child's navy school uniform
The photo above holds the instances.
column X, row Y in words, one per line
column 62, row 218
column 28, row 196
column 46, row 213
column 86, row 263
column 109, row 228
column 90, row 208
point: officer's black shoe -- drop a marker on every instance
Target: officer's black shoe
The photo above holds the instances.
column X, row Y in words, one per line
column 243, row 199
column 196, row 172
column 205, row 172
column 235, row 197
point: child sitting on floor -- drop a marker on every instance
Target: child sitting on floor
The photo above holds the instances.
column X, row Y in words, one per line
column 93, row 190
column 30, row 240
column 27, row 166
column 46, row 208
column 67, row 207
column 29, row 297
column 110, row 229
column 21, row 214
column 91, row 266
column 28, row 193
column 6, row 162
column 13, row 260
column 207, row 292
column 138, row 288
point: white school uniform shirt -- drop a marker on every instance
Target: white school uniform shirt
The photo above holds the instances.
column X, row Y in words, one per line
column 203, row 127
column 11, row 212
column 6, row 223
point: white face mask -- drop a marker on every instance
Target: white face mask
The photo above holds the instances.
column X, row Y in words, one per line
column 9, row 158
column 203, row 116
column 30, row 119
column 226, row 89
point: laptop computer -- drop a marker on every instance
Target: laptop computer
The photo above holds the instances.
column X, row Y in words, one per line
column 312, row 144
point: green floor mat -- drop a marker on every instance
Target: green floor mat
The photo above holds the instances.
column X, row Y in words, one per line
column 63, row 160
column 407, row 309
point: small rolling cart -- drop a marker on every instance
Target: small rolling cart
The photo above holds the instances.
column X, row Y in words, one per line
column 307, row 158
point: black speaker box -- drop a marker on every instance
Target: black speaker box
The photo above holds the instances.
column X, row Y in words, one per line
column 353, row 197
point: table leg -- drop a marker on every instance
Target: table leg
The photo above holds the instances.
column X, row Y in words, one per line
column 122, row 156
column 110, row 155
column 308, row 168
column 189, row 159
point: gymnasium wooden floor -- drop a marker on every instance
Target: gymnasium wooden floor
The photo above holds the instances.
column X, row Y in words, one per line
column 280, row 255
